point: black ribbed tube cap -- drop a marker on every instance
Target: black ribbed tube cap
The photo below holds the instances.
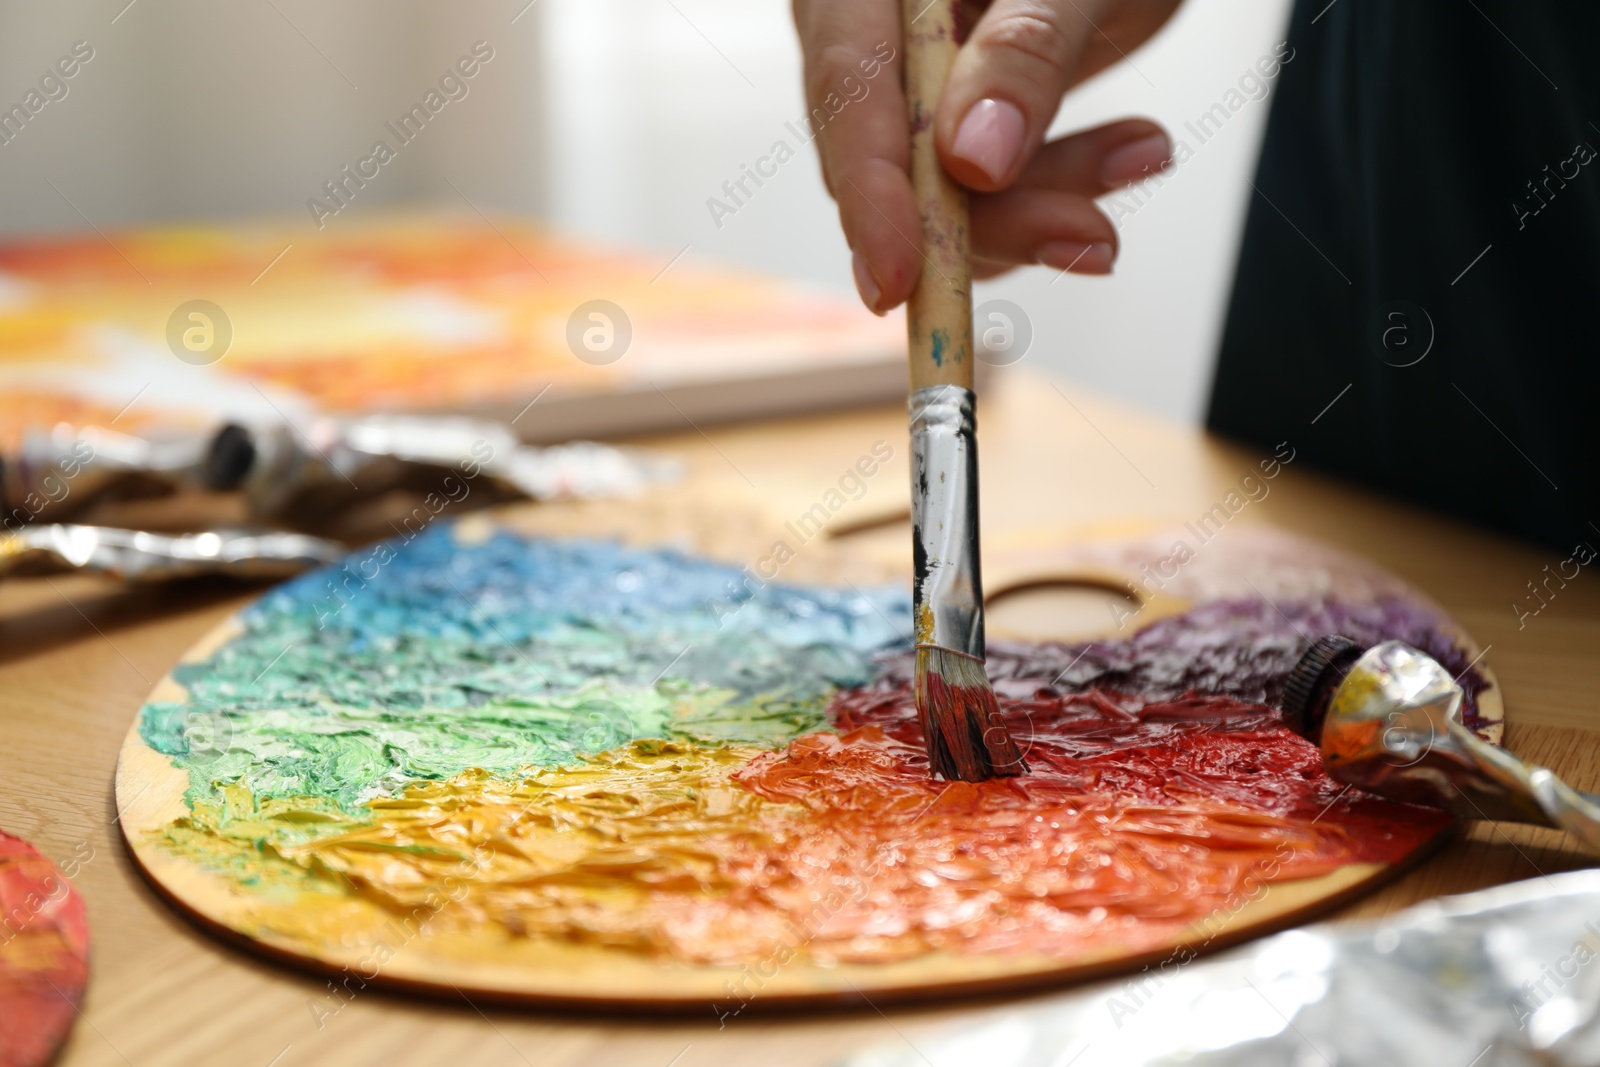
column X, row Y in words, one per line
column 1312, row 681
column 230, row 457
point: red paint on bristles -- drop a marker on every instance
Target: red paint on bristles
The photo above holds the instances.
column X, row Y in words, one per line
column 966, row 738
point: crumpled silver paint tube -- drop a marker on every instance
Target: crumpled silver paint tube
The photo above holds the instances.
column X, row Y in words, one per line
column 301, row 476
column 143, row 556
column 1505, row 977
column 60, row 471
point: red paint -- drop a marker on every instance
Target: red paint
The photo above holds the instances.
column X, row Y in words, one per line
column 965, row 732
column 1137, row 821
column 1209, row 746
column 44, row 949
column 961, row 21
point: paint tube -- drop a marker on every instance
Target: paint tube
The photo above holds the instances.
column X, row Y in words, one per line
column 301, row 476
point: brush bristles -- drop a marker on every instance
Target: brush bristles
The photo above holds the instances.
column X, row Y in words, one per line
column 966, row 738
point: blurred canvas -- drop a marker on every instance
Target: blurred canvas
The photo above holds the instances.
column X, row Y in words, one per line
column 418, row 315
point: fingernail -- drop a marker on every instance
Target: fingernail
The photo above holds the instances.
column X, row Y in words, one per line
column 866, row 285
column 990, row 137
column 1078, row 257
column 1135, row 160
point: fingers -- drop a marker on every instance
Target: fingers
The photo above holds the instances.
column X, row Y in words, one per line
column 1008, row 78
column 1061, row 230
column 1006, row 84
column 1094, row 162
column 879, row 213
column 1049, row 216
column 858, row 117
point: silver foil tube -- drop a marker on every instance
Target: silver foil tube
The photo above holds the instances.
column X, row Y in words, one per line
column 61, row 471
column 1394, row 727
column 303, row 477
column 1506, row 977
column 944, row 517
column 139, row 555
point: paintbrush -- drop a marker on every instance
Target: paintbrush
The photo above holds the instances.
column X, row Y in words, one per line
column 961, row 723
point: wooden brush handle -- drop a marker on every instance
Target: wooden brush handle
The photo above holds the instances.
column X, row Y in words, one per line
column 939, row 314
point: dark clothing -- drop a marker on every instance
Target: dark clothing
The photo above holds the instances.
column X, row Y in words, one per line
column 1405, row 139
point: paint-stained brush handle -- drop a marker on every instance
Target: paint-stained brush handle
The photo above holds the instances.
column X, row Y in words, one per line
column 939, row 313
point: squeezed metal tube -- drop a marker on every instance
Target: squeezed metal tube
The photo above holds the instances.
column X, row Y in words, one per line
column 140, row 555
column 1394, row 727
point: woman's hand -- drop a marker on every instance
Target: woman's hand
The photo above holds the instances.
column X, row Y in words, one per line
column 1033, row 202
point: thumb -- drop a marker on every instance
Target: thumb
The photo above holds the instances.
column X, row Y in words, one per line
column 1006, row 85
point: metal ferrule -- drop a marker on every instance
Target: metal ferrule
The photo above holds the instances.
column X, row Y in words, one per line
column 944, row 516
column 1394, row 727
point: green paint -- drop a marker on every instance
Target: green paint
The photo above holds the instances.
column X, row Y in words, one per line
column 349, row 753
column 530, row 654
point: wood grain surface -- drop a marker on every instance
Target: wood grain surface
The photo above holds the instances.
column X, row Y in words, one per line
column 78, row 655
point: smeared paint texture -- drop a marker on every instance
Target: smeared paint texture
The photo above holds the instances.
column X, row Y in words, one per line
column 44, row 955
column 941, row 341
column 509, row 654
column 595, row 744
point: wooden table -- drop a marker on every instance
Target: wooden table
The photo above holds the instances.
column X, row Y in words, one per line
column 77, row 656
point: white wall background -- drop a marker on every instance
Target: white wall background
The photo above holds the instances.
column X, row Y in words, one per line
column 197, row 109
column 615, row 118
column 646, row 123
column 1148, row 333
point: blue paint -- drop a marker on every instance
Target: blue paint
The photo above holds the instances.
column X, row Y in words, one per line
column 509, row 653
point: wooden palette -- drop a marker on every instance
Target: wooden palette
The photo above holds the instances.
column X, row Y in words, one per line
column 503, row 940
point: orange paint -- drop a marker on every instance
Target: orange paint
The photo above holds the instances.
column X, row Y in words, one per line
column 1140, row 823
